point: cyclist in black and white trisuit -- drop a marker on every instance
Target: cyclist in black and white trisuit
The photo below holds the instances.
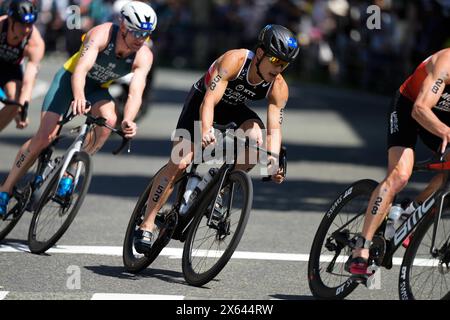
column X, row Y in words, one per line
column 219, row 96
column 19, row 39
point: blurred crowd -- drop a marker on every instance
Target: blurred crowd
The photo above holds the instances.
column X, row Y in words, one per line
column 337, row 44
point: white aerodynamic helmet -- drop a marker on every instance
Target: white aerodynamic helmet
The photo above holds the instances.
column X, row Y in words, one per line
column 139, row 16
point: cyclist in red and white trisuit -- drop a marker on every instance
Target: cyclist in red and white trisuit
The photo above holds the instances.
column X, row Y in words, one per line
column 421, row 108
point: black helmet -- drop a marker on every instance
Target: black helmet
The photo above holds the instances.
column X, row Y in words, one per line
column 279, row 42
column 23, row 11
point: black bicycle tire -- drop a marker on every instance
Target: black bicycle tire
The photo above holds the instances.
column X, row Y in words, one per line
column 190, row 275
column 39, row 247
column 130, row 262
column 404, row 288
column 316, row 285
column 11, row 225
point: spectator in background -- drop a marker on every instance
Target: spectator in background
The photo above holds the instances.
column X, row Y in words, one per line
column 284, row 12
column 175, row 32
column 382, row 52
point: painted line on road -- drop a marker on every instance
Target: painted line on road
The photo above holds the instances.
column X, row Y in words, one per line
column 127, row 296
column 176, row 253
column 3, row 294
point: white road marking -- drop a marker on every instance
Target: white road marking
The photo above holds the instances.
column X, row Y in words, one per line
column 176, row 253
column 126, row 296
column 3, row 294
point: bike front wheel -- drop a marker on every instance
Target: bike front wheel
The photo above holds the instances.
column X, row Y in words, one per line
column 425, row 273
column 327, row 277
column 211, row 242
column 54, row 215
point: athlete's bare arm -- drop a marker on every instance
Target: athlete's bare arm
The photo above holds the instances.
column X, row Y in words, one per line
column 278, row 97
column 95, row 41
column 432, row 88
column 141, row 67
column 224, row 69
column 34, row 51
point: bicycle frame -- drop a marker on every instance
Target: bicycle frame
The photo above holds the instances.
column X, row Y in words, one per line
column 61, row 166
column 64, row 161
column 436, row 200
column 217, row 182
column 434, row 204
column 188, row 217
column 420, row 213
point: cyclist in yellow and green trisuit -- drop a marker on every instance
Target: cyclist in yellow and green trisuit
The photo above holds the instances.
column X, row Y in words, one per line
column 108, row 52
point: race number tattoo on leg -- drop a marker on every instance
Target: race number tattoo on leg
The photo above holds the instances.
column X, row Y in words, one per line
column 22, row 159
column 376, row 205
column 160, row 190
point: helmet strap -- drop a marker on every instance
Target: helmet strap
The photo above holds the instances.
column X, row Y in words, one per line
column 13, row 26
column 124, row 35
column 258, row 71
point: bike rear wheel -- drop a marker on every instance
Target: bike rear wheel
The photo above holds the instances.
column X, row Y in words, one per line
column 423, row 275
column 208, row 248
column 53, row 216
column 17, row 208
column 17, row 204
column 133, row 261
column 326, row 275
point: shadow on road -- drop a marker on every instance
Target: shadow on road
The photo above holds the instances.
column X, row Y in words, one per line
column 294, row 195
column 121, row 273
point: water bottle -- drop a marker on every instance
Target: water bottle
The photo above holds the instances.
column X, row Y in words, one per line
column 407, row 211
column 50, row 165
column 198, row 189
column 394, row 215
column 192, row 183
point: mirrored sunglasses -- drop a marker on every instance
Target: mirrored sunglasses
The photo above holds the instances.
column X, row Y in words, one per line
column 140, row 34
column 278, row 62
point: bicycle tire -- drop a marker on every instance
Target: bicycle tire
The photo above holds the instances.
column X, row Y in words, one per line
column 320, row 289
column 7, row 225
column 37, row 246
column 422, row 236
column 134, row 262
column 199, row 279
column 21, row 198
